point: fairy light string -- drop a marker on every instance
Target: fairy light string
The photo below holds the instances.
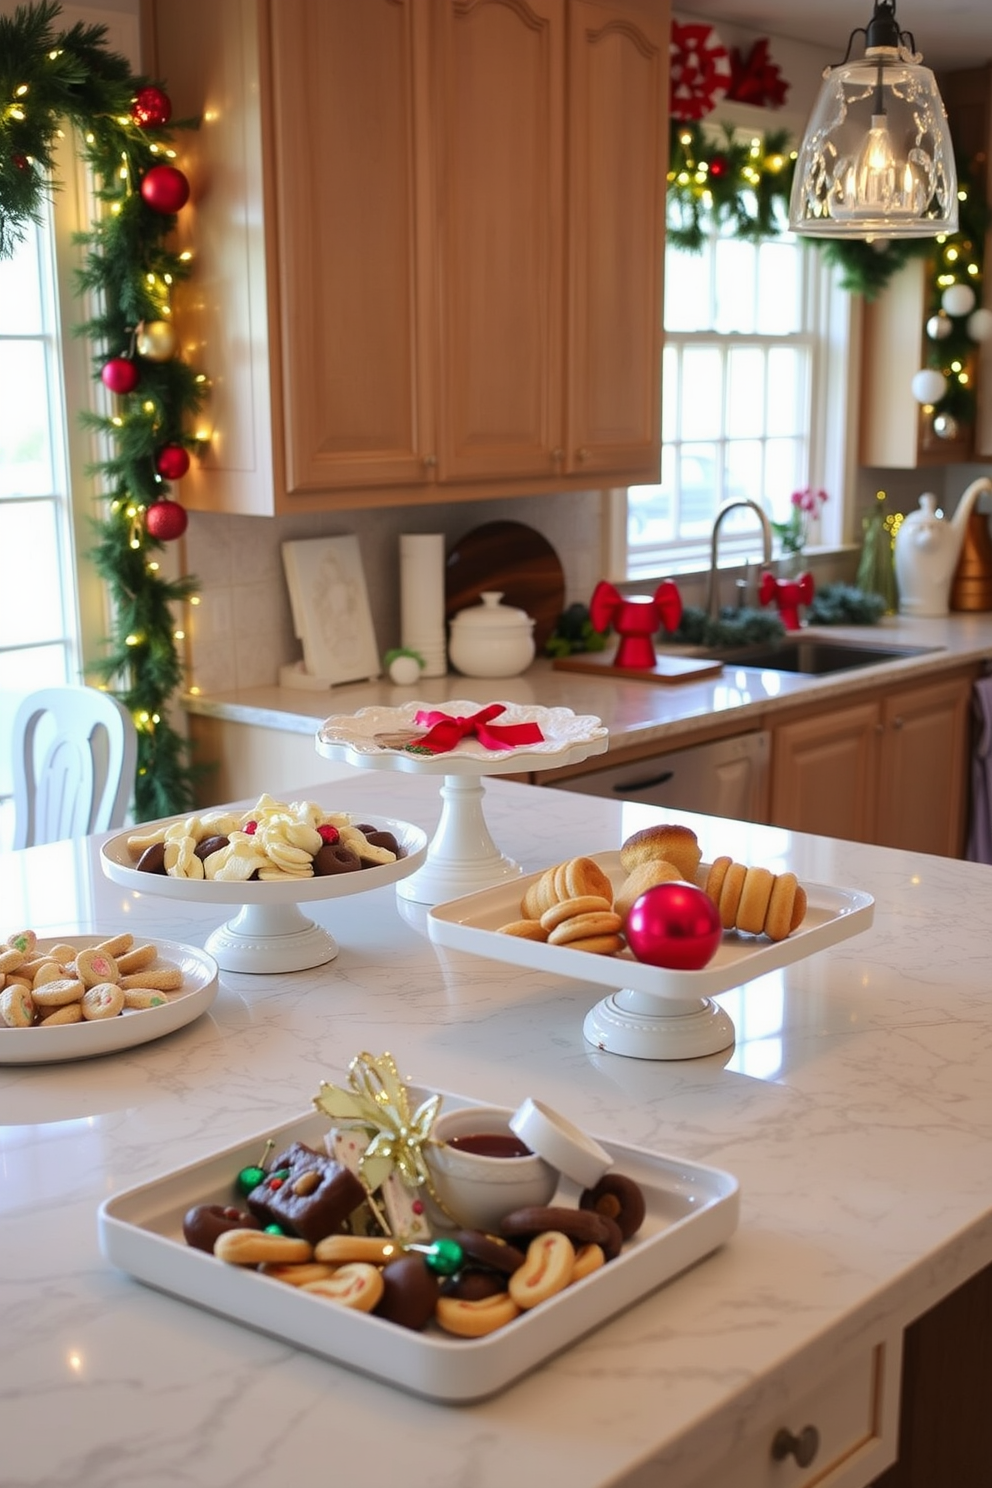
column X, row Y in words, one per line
column 53, row 81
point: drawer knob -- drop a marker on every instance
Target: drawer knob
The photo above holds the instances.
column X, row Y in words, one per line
column 803, row 1447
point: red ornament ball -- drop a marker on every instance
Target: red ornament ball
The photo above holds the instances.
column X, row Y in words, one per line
column 674, row 925
column 165, row 189
column 172, row 462
column 120, row 375
column 165, row 520
column 719, row 166
column 151, row 108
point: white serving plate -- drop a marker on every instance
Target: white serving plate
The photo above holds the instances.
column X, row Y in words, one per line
column 691, row 1210
column 270, row 934
column 657, row 1014
column 462, row 855
column 132, row 1027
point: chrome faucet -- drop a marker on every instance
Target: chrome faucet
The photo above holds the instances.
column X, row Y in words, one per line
column 713, row 592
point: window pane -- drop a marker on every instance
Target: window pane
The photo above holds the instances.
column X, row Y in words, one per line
column 785, row 473
column 788, row 402
column 779, row 298
column 745, row 391
column 701, row 411
column 670, row 396
column 745, row 476
column 735, row 276
column 30, row 527
column 20, row 288
column 25, row 432
column 687, row 291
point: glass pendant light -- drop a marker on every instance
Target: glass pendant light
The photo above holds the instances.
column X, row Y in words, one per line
column 877, row 160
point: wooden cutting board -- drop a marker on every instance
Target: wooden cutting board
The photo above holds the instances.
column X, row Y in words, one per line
column 666, row 668
column 518, row 563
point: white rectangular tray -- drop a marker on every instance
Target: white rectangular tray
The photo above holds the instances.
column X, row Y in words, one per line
column 470, row 923
column 691, row 1210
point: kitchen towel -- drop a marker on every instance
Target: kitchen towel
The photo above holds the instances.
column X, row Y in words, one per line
column 980, row 834
column 422, row 598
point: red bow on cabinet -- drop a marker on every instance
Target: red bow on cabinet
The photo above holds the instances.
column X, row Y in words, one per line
column 788, row 594
column 635, row 618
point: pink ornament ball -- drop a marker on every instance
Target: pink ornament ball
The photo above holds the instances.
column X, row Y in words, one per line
column 120, row 375
column 165, row 189
column 674, row 925
column 165, row 520
column 172, row 462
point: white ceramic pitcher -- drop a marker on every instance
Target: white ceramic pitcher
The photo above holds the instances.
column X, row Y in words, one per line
column 927, row 548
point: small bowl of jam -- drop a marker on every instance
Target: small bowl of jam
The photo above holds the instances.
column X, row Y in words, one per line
column 481, row 1170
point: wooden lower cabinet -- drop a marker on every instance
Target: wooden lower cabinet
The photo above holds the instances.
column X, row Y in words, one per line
column 891, row 771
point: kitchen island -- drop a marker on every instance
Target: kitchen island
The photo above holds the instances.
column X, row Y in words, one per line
column 854, row 1110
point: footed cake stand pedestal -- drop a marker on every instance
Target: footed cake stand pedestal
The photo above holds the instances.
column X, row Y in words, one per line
column 643, row 1026
column 461, row 856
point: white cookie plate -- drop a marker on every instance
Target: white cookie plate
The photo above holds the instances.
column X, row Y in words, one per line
column 691, row 1210
column 134, row 1026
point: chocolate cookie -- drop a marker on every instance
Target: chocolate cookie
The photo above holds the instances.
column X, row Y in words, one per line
column 209, row 845
column 334, row 857
column 472, row 1285
column 618, row 1198
column 152, row 860
column 582, row 1226
column 409, row 1293
column 486, row 1252
column 307, row 1194
column 204, row 1222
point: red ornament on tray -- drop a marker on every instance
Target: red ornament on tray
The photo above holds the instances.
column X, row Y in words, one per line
column 165, row 520
column 120, row 375
column 165, row 189
column 152, row 108
column 700, row 70
column 674, row 925
column 172, row 462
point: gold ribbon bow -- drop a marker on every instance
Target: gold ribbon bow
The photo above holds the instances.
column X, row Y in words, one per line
column 379, row 1103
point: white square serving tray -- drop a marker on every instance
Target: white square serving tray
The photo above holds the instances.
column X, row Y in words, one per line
column 691, row 1210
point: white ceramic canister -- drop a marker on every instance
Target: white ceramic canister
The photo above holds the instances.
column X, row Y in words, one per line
column 491, row 639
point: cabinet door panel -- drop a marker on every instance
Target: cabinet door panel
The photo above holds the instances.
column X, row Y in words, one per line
column 922, row 782
column 500, row 126
column 618, row 130
column 823, row 773
column 348, row 102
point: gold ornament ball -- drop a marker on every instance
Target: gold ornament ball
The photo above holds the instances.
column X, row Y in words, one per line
column 155, row 340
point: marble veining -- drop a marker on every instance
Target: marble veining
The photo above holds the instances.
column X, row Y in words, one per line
column 854, row 1110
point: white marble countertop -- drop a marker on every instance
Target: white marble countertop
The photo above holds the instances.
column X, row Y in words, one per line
column 854, row 1111
column 635, row 712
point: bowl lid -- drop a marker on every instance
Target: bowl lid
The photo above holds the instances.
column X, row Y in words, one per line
column 560, row 1143
column 492, row 615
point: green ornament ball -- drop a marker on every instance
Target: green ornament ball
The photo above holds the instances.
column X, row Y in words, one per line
column 250, row 1178
column 444, row 1257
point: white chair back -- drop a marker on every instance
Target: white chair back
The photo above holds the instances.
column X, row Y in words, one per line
column 75, row 750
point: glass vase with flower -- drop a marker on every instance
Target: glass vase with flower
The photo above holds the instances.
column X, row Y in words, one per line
column 793, row 534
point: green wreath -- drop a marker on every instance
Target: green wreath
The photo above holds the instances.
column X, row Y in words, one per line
column 47, row 78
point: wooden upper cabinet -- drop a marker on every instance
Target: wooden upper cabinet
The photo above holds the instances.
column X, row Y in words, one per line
column 618, row 134
column 499, row 130
column 429, row 240
column 353, row 192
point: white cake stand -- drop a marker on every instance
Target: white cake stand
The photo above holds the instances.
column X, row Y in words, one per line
column 270, row 933
column 462, row 855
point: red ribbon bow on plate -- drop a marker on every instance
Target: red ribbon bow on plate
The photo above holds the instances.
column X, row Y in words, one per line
column 447, row 731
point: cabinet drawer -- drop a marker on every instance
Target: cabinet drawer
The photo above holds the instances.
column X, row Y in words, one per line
column 854, row 1410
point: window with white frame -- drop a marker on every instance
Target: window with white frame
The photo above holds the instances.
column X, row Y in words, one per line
column 754, row 360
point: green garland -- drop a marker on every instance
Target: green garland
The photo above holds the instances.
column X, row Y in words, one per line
column 715, row 180
column 45, row 78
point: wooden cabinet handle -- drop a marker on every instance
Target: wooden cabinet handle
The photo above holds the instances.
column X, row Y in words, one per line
column 582, row 454
column 803, row 1447
column 430, row 461
column 897, row 723
column 558, row 455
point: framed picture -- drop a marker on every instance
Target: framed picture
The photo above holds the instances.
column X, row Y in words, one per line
column 330, row 605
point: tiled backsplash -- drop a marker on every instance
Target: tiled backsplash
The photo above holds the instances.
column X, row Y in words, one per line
column 241, row 631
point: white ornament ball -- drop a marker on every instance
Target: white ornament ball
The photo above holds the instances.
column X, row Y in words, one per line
column 958, row 299
column 404, row 670
column 979, row 325
column 939, row 327
column 929, row 386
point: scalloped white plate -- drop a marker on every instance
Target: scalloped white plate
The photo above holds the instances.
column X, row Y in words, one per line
column 135, row 1026
column 568, row 737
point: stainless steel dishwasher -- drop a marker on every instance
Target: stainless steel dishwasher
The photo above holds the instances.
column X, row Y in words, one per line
column 724, row 778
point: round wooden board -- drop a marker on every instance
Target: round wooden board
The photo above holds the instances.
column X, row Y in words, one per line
column 514, row 560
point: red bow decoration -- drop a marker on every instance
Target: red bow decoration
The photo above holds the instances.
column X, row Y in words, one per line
column 447, row 731
column 635, row 618
column 699, row 70
column 788, row 594
column 756, row 79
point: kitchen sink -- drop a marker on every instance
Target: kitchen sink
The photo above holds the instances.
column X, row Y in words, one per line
column 818, row 656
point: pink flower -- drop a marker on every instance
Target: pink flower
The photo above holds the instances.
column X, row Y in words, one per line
column 809, row 500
